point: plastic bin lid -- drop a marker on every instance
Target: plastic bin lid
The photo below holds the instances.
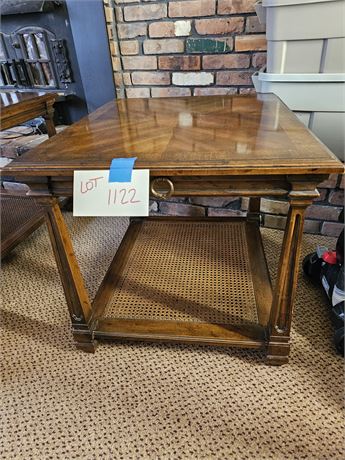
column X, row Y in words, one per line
column 273, row 3
column 302, row 77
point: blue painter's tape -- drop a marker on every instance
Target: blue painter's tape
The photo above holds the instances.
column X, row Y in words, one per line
column 121, row 169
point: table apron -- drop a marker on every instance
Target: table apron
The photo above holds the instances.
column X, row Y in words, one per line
column 191, row 185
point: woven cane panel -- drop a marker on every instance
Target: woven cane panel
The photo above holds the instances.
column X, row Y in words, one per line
column 15, row 212
column 187, row 271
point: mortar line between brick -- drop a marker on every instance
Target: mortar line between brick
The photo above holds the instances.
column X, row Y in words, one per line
column 120, row 91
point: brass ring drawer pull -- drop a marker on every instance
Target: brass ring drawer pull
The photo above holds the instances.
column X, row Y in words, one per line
column 162, row 188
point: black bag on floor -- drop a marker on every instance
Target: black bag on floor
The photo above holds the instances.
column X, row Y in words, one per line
column 326, row 268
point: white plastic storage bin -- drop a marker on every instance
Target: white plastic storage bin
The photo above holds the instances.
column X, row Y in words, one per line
column 329, row 127
column 319, row 99
column 304, row 36
column 305, row 92
column 303, row 19
column 306, row 56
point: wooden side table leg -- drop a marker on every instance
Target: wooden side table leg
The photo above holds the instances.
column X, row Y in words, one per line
column 78, row 301
column 253, row 214
column 49, row 119
column 285, row 289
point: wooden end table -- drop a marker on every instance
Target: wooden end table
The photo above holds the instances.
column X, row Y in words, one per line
column 20, row 216
column 17, row 107
column 191, row 280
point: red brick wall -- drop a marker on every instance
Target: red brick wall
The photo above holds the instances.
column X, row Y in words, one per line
column 182, row 48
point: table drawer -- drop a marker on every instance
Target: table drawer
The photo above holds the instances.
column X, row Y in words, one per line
column 166, row 187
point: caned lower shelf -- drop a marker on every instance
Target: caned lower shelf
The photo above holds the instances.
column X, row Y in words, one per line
column 19, row 217
column 187, row 280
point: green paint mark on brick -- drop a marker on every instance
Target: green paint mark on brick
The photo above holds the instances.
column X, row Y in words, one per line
column 206, row 45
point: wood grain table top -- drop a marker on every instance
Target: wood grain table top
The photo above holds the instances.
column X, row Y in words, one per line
column 215, row 135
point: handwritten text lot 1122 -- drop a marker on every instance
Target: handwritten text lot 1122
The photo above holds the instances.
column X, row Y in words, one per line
column 94, row 195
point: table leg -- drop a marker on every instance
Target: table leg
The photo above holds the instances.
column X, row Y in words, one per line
column 78, row 301
column 49, row 119
column 254, row 209
column 284, row 292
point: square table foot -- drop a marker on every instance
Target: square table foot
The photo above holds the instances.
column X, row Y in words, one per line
column 278, row 354
column 275, row 360
column 85, row 342
column 89, row 347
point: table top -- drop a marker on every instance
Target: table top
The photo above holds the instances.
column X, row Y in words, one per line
column 11, row 98
column 215, row 135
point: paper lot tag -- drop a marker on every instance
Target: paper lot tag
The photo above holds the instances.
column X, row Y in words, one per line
column 94, row 195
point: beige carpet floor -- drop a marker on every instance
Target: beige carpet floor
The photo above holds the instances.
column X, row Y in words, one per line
column 152, row 401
